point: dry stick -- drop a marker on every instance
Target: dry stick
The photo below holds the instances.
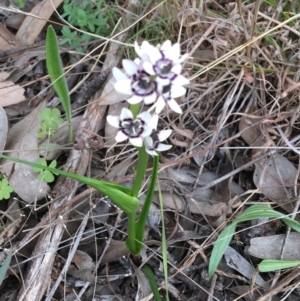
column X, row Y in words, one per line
column 212, row 288
column 280, row 285
column 111, row 233
column 69, row 259
column 38, row 277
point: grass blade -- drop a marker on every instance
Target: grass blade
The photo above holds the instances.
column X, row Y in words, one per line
column 220, row 247
column 5, row 266
column 262, row 211
column 270, row 265
column 56, row 73
column 148, row 272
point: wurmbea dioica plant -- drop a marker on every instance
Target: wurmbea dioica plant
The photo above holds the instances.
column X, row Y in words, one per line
column 152, row 78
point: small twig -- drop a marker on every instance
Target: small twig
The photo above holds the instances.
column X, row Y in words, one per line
column 69, row 259
column 212, row 288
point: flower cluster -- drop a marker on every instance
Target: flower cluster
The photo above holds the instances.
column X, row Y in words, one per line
column 152, row 78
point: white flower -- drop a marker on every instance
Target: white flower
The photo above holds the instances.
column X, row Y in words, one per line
column 137, row 83
column 164, row 99
column 153, row 142
column 134, row 130
column 164, row 62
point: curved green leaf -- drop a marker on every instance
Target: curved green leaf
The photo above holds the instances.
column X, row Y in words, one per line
column 270, row 265
column 251, row 213
column 118, row 193
column 56, row 73
column 262, row 211
column 220, row 247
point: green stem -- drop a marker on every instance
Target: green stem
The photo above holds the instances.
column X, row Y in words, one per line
column 140, row 224
column 135, row 109
column 130, row 241
column 140, row 173
column 148, row 272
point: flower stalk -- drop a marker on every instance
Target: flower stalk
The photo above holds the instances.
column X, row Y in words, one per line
column 152, row 78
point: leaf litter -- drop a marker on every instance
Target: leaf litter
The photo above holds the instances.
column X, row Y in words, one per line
column 238, row 98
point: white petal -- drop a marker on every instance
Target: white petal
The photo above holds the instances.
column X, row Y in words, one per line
column 160, row 104
column 145, row 46
column 121, row 136
column 148, row 142
column 118, row 74
column 163, row 81
column 137, row 142
column 137, row 49
column 148, row 67
column 177, row 91
column 126, row 114
column 173, row 53
column 181, row 80
column 176, row 69
column 151, row 152
column 166, row 45
column 154, row 55
column 137, row 61
column 135, row 99
column 149, row 99
column 113, row 120
column 153, row 122
column 145, row 116
column 147, row 132
column 123, row 86
column 163, row 135
column 163, row 147
column 183, row 58
column 174, row 106
column 130, row 67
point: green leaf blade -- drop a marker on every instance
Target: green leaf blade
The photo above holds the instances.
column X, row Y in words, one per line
column 118, row 193
column 55, row 69
column 270, row 265
column 220, row 247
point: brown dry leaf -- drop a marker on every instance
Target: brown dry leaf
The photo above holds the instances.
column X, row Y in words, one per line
column 22, row 143
column 246, row 292
column 275, row 178
column 202, row 203
column 269, row 247
column 7, row 39
column 115, row 250
column 13, row 220
column 10, row 94
column 83, row 267
column 32, row 26
column 235, row 261
column 253, row 135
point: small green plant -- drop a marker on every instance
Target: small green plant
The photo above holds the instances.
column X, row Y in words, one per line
column 51, row 120
column 86, row 16
column 251, row 213
column 5, row 189
column 45, row 175
column 20, row 3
